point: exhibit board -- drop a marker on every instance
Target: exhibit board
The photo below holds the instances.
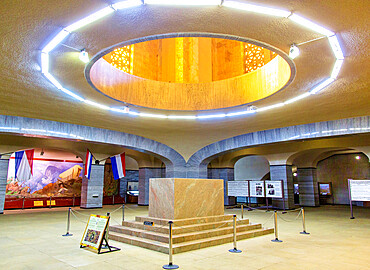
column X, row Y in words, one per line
column 359, row 190
column 94, row 231
column 274, row 189
column 256, row 189
column 237, row 188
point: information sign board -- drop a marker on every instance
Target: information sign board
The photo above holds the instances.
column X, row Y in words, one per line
column 94, row 231
column 274, row 189
column 237, row 188
column 256, row 189
column 359, row 190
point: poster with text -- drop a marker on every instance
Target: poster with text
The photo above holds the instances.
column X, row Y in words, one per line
column 94, row 231
column 360, row 190
column 274, row 189
column 237, row 188
column 257, row 189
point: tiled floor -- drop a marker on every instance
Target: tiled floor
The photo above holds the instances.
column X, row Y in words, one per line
column 32, row 239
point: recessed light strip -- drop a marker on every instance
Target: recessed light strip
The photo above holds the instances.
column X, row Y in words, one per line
column 334, row 43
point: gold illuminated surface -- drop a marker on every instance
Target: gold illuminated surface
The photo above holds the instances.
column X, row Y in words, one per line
column 190, row 73
column 188, row 54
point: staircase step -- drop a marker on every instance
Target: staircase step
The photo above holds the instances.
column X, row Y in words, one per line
column 218, row 240
column 181, row 229
column 186, row 246
column 178, row 238
column 187, row 221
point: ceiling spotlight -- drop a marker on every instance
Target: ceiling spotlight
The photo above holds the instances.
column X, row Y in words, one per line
column 293, row 51
column 42, row 152
column 84, row 56
column 357, row 157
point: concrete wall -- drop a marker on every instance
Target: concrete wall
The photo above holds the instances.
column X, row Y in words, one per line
column 338, row 169
column 92, row 189
column 251, row 168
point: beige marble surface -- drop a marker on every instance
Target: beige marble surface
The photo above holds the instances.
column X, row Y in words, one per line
column 179, row 198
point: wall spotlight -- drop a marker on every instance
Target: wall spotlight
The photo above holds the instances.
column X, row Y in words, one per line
column 97, row 162
column 84, row 56
column 293, row 51
column 295, row 174
column 42, row 152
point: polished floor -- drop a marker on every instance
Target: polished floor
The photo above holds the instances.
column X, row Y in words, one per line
column 32, row 239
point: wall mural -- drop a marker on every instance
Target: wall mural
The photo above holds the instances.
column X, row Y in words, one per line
column 50, row 178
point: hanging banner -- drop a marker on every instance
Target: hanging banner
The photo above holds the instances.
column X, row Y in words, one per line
column 359, row 190
column 274, row 189
column 256, row 189
column 237, row 188
column 94, row 231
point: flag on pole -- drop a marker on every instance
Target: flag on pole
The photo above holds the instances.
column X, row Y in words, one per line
column 88, row 162
column 118, row 166
column 24, row 164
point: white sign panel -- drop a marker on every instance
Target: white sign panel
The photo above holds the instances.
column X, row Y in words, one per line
column 237, row 188
column 257, row 189
column 274, row 189
column 360, row 190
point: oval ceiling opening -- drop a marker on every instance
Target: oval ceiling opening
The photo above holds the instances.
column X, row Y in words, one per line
column 189, row 73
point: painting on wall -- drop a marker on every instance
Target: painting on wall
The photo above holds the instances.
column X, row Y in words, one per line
column 50, row 178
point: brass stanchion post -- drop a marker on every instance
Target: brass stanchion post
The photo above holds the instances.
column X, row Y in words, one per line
column 68, row 223
column 304, row 222
column 123, row 213
column 276, row 229
column 234, row 250
column 23, row 202
column 242, row 208
column 170, row 265
column 50, row 202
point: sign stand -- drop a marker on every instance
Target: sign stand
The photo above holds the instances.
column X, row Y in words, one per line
column 99, row 224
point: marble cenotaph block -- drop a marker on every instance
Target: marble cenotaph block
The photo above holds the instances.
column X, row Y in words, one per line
column 180, row 198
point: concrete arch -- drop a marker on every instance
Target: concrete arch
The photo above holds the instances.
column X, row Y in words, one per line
column 50, row 129
column 197, row 164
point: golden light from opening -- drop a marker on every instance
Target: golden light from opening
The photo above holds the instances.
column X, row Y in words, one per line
column 189, row 59
column 190, row 73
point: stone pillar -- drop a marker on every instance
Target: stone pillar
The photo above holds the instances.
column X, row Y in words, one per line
column 227, row 174
column 144, row 175
column 283, row 172
column 92, row 189
column 4, row 163
column 308, row 187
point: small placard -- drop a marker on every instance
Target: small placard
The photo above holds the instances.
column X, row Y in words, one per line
column 52, row 202
column 148, row 223
column 38, row 203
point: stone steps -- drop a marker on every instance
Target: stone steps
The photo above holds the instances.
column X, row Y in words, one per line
column 186, row 246
column 183, row 237
column 188, row 234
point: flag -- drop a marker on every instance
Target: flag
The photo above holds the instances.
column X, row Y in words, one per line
column 88, row 162
column 118, row 166
column 24, row 164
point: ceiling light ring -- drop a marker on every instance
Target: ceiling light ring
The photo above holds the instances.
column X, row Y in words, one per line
column 67, row 30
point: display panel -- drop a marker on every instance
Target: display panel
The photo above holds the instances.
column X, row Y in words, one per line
column 360, row 190
column 237, row 188
column 256, row 189
column 296, row 189
column 325, row 189
column 94, row 231
column 132, row 186
column 274, row 189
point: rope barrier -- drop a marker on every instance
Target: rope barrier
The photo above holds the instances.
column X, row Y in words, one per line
column 116, row 209
column 281, row 216
column 77, row 217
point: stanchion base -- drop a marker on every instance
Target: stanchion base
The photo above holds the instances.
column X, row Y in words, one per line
column 304, row 232
column 170, row 266
column 67, row 234
column 234, row 250
column 352, row 218
column 276, row 240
